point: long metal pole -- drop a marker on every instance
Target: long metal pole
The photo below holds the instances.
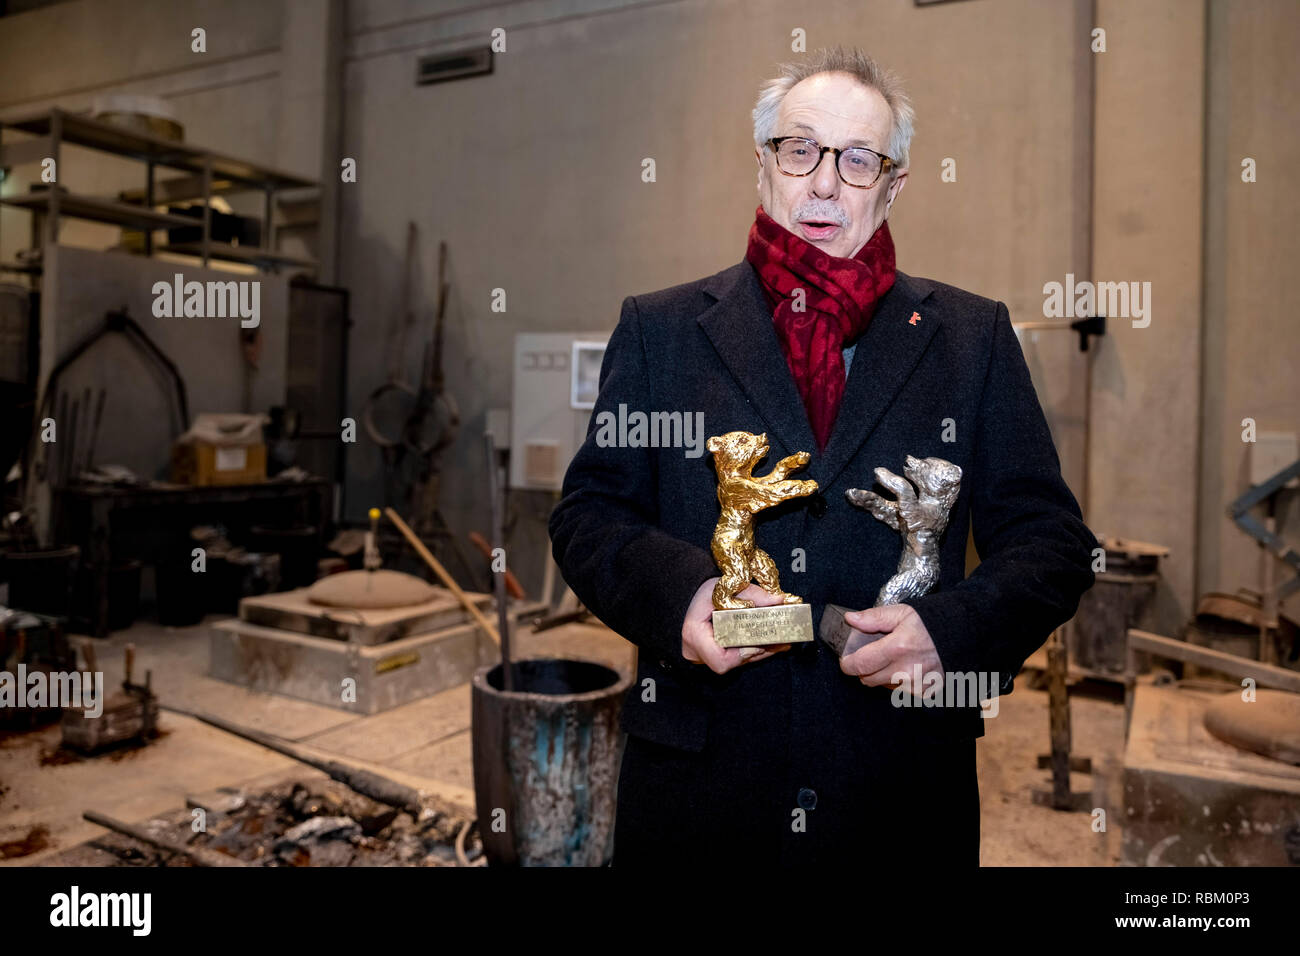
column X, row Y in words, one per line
column 498, row 577
column 443, row 575
column 200, row 855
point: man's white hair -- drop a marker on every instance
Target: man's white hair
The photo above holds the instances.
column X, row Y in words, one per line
column 838, row 60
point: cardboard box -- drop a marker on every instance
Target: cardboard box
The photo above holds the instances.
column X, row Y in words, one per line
column 204, row 464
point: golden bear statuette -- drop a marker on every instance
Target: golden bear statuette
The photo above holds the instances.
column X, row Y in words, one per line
column 741, row 495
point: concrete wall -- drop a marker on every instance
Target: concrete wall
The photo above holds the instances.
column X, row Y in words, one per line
column 532, row 175
column 233, row 99
column 139, row 418
column 259, row 92
column 65, row 55
column 1147, row 228
column 1252, row 333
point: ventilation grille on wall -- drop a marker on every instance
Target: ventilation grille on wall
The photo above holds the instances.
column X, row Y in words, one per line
column 542, row 463
column 440, row 67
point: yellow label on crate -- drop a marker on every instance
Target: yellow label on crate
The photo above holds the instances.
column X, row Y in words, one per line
column 395, row 662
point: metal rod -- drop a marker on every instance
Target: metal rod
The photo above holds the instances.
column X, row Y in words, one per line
column 498, row 577
column 60, row 448
column 207, row 212
column 79, row 464
column 385, row 790
column 53, row 210
column 1268, row 592
column 548, row 563
column 200, row 855
column 513, row 587
column 67, row 462
column 443, row 576
column 94, row 432
column 268, row 213
column 148, row 205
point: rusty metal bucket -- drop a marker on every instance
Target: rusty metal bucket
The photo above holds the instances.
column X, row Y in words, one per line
column 1119, row 599
column 546, row 759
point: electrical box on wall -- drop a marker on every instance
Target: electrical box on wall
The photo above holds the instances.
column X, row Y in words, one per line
column 556, row 377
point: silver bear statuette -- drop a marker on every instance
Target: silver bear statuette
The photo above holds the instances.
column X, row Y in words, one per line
column 920, row 514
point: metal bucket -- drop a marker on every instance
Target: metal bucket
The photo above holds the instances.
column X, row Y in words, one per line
column 41, row 581
column 1117, row 601
column 546, row 759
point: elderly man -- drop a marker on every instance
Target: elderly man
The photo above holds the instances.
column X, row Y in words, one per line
column 791, row 755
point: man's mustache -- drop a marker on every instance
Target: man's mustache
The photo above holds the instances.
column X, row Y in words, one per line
column 815, row 211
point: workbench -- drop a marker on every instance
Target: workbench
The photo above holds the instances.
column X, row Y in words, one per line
column 145, row 523
column 1192, row 800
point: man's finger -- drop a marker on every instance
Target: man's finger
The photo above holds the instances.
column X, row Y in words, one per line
column 881, row 678
column 710, row 654
column 760, row 596
column 879, row 620
column 748, row 654
column 871, row 658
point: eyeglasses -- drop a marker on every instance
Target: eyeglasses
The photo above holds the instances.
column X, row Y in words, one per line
column 856, row 165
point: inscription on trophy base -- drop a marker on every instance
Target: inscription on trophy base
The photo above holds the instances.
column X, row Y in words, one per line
column 754, row 627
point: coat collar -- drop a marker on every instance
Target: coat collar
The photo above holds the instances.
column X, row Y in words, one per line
column 740, row 326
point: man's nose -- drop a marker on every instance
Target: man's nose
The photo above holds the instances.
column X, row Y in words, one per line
column 825, row 178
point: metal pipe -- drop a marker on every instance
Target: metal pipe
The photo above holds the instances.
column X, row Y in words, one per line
column 498, row 577
column 196, row 854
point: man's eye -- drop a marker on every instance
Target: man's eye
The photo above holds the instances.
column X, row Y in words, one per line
column 857, row 159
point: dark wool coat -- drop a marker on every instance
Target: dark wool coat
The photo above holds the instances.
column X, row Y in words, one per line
column 788, row 760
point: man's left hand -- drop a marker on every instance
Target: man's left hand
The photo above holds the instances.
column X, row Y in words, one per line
column 905, row 644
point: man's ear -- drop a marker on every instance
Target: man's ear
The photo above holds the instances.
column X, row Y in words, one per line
column 896, row 187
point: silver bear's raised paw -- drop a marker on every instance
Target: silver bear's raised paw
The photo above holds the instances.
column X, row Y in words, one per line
column 925, row 496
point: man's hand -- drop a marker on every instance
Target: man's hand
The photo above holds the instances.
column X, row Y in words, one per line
column 698, row 644
column 903, row 645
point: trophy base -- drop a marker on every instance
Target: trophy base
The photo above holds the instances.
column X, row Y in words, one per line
column 840, row 636
column 757, row 626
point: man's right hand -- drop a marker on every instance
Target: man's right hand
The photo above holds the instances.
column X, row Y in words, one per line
column 698, row 643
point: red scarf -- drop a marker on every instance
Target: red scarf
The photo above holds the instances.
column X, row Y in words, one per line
column 840, row 296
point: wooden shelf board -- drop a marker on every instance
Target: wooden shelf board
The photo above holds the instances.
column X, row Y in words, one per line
column 96, row 134
column 229, row 253
column 98, row 210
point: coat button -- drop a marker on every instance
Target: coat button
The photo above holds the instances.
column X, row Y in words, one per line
column 807, row 798
column 817, row 505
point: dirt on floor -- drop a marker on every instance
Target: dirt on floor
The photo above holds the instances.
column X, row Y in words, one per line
column 311, row 822
column 43, row 790
column 1015, row 830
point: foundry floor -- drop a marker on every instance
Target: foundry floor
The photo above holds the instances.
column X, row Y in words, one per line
column 427, row 744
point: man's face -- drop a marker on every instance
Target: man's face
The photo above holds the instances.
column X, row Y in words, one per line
column 835, row 110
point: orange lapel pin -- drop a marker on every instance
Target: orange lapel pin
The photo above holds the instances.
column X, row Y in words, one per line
column 916, row 317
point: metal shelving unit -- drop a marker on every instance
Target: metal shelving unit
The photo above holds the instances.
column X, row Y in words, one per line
column 209, row 174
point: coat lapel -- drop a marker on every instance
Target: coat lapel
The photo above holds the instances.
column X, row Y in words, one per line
column 883, row 361
column 740, row 326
